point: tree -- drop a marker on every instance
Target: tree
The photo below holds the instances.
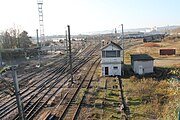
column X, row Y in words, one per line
column 11, row 39
column 23, row 40
column 6, row 40
column 14, row 33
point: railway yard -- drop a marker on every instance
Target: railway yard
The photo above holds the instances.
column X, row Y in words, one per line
column 89, row 60
column 47, row 93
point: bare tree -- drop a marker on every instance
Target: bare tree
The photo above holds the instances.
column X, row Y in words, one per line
column 12, row 38
column 6, row 40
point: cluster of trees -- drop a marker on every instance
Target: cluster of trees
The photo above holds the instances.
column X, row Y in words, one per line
column 13, row 38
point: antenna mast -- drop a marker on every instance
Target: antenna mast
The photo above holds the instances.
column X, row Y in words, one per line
column 41, row 25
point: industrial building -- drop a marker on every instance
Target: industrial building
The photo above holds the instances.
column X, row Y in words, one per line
column 111, row 59
column 142, row 64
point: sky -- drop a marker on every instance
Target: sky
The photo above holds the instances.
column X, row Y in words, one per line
column 88, row 15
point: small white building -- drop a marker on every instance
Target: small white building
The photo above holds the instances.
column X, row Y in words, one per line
column 111, row 60
column 142, row 63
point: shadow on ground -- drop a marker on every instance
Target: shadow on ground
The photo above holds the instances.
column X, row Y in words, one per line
column 160, row 73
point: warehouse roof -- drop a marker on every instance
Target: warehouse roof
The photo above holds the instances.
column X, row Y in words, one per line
column 141, row 57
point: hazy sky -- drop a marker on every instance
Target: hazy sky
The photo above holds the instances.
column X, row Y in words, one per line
column 88, row 15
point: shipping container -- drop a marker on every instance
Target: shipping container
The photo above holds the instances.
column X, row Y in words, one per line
column 167, row 51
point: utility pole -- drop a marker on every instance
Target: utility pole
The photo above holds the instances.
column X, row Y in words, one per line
column 122, row 47
column 179, row 113
column 83, row 43
column 37, row 37
column 66, row 41
column 70, row 56
column 0, row 58
column 17, row 93
column 115, row 34
column 39, row 48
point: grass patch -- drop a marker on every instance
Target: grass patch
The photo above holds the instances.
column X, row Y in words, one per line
column 134, row 101
column 111, row 114
column 107, row 99
column 101, row 94
column 150, row 99
column 82, row 92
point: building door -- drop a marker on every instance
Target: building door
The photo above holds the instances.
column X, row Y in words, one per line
column 141, row 70
column 115, row 70
column 106, row 71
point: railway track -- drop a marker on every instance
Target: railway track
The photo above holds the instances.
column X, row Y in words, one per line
column 25, row 93
column 75, row 71
column 45, row 87
column 49, row 67
column 52, row 68
column 39, row 92
column 72, row 100
column 72, row 108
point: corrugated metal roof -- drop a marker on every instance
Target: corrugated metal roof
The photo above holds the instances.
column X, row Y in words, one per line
column 141, row 57
column 115, row 44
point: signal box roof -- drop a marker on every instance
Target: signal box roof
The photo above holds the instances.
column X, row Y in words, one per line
column 112, row 43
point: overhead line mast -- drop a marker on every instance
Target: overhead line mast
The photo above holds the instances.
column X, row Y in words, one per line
column 41, row 24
